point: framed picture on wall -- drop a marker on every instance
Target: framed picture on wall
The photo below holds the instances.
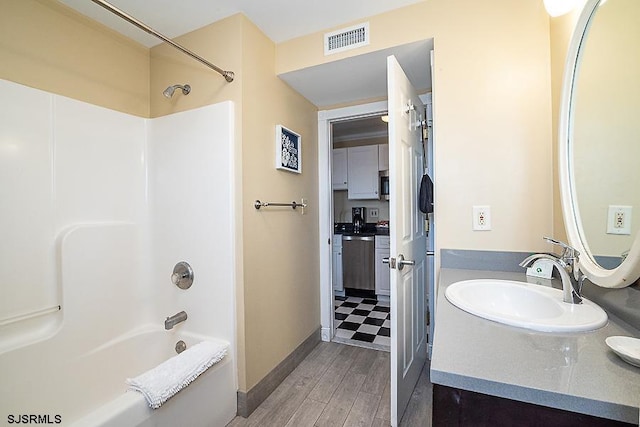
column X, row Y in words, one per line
column 288, row 150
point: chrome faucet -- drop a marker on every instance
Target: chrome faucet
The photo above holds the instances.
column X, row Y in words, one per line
column 567, row 265
column 172, row 321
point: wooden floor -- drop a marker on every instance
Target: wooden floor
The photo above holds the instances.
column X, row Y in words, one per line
column 340, row 385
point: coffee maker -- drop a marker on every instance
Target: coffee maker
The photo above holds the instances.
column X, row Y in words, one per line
column 357, row 218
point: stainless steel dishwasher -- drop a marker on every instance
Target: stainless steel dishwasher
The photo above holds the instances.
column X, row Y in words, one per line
column 358, row 262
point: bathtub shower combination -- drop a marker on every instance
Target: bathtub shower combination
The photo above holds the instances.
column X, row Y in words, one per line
column 97, row 208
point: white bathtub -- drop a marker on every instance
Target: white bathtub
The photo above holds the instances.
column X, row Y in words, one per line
column 90, row 390
column 90, row 254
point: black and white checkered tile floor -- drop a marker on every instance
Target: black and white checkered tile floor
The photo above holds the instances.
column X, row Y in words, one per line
column 362, row 319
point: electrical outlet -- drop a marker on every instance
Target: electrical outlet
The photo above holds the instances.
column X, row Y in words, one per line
column 373, row 213
column 481, row 218
column 619, row 220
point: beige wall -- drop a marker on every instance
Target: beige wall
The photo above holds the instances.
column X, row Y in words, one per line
column 221, row 44
column 492, row 112
column 281, row 255
column 48, row 46
column 278, row 299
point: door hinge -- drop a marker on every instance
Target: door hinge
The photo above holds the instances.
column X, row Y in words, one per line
column 425, row 127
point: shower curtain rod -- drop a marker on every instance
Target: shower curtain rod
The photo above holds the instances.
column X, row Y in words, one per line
column 228, row 75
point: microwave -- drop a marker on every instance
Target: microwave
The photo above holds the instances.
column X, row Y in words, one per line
column 384, row 185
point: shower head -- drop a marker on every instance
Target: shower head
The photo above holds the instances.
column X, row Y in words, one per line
column 168, row 92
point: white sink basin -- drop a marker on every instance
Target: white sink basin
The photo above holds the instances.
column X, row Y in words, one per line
column 525, row 305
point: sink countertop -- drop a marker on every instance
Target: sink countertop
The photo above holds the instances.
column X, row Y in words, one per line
column 571, row 371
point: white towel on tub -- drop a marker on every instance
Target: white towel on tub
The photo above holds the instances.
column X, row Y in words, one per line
column 160, row 383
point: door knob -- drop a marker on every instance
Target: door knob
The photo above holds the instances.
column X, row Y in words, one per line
column 401, row 262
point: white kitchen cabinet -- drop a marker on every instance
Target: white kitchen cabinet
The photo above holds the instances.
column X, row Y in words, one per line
column 339, row 164
column 362, row 173
column 382, row 273
column 383, row 157
column 337, row 263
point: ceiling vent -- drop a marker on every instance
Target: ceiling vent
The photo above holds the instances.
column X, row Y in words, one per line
column 346, row 38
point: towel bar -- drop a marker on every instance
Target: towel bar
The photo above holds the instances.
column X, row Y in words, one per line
column 258, row 204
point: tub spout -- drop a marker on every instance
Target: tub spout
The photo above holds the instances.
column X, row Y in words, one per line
column 172, row 321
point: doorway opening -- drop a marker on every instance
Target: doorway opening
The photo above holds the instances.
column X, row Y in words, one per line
column 337, row 214
column 360, row 201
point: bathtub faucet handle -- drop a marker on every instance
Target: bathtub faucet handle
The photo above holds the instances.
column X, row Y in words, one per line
column 175, row 277
column 182, row 275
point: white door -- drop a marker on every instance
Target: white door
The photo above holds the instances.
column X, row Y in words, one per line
column 408, row 239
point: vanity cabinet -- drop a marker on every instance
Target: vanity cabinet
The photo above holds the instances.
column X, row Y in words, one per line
column 337, row 263
column 339, row 165
column 457, row 407
column 362, row 173
column 382, row 273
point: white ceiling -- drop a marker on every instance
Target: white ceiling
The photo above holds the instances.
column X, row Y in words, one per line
column 279, row 19
column 361, row 77
column 352, row 79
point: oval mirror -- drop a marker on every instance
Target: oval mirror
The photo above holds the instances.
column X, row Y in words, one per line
column 599, row 141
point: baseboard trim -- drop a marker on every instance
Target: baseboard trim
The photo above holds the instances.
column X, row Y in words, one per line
column 249, row 401
column 326, row 334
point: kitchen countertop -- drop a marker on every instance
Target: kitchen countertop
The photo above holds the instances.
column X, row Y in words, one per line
column 370, row 229
column 571, row 371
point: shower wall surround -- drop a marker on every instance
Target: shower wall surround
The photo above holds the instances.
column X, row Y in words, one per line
column 67, row 165
column 191, row 217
